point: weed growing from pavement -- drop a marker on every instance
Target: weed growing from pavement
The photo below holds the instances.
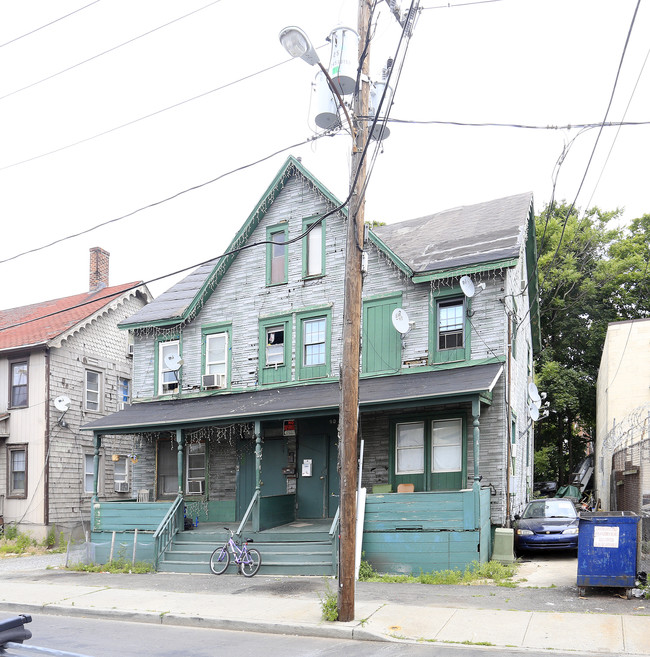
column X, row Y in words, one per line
column 493, row 572
column 329, row 605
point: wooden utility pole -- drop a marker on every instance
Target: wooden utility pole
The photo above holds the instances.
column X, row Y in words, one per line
column 349, row 407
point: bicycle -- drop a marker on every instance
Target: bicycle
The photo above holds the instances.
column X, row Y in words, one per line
column 248, row 559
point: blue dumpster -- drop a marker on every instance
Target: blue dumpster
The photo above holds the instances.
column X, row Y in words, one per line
column 607, row 550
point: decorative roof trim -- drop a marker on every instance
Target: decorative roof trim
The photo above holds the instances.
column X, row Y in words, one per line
column 462, row 271
column 290, row 168
column 382, row 246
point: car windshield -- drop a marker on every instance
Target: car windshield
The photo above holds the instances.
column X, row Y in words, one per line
column 550, row 509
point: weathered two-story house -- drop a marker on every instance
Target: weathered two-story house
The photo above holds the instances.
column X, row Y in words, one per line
column 63, row 363
column 236, row 384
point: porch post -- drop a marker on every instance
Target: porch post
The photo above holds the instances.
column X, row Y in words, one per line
column 258, row 475
column 476, row 412
column 97, row 443
column 476, row 487
column 180, row 441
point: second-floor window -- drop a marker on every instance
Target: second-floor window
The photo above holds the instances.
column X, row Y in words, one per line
column 168, row 372
column 124, row 391
column 449, row 335
column 92, row 396
column 313, row 345
column 216, row 358
column 451, row 322
column 18, row 384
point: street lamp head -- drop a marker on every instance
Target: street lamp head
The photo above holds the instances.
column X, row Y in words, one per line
column 297, row 44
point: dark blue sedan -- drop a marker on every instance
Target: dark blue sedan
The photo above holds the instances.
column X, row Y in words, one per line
column 547, row 524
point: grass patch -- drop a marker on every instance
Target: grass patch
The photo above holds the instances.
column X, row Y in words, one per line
column 115, row 566
column 492, row 572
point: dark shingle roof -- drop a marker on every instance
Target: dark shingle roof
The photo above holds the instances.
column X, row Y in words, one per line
column 467, row 235
column 324, row 398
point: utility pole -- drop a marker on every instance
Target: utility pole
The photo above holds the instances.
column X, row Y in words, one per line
column 349, row 407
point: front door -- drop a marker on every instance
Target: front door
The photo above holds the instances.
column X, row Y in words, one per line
column 167, row 478
column 317, row 486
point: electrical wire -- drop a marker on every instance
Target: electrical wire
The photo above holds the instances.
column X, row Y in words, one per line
column 461, row 4
column 42, row 27
column 164, row 200
column 105, row 52
column 147, row 116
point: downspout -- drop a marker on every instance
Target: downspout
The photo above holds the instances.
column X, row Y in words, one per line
column 508, row 429
column 46, row 465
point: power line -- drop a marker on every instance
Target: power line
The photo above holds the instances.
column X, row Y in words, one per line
column 105, row 52
column 42, row 27
column 461, row 4
column 164, row 200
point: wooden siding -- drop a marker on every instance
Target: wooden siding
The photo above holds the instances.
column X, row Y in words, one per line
column 410, row 533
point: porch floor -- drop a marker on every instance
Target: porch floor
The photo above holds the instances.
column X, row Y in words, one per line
column 300, row 526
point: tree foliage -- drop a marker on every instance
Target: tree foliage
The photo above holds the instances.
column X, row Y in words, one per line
column 591, row 273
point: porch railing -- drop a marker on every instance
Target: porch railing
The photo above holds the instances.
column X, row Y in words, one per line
column 168, row 528
column 249, row 510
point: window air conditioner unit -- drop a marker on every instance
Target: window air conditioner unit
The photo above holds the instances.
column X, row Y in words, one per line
column 121, row 486
column 196, row 487
column 213, row 381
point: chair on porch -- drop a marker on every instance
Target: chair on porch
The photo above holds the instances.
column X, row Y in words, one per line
column 143, row 495
column 405, row 488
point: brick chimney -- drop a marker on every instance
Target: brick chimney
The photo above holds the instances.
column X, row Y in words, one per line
column 98, row 268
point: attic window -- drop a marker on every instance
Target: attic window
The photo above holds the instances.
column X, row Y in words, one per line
column 276, row 256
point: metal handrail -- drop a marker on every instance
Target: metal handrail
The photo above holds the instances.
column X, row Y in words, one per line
column 167, row 529
column 249, row 510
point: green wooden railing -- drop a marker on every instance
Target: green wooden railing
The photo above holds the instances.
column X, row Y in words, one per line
column 168, row 528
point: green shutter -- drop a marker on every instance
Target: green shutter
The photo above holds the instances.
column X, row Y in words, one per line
column 381, row 346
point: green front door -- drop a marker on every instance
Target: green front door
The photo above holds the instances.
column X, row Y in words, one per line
column 317, row 485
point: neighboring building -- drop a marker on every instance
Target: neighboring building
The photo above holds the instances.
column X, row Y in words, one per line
column 237, row 367
column 63, row 363
column 622, row 464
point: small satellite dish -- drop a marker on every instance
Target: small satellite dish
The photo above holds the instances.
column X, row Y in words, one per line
column 535, row 398
column 173, row 361
column 467, row 286
column 400, row 320
column 62, row 403
column 533, row 411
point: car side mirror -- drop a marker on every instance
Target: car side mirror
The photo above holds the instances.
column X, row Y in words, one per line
column 517, row 516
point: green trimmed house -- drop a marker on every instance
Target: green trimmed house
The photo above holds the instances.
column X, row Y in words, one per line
column 236, row 390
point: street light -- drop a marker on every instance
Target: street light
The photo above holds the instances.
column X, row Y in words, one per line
column 297, row 44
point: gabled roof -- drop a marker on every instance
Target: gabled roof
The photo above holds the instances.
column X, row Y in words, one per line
column 41, row 323
column 464, row 238
column 182, row 301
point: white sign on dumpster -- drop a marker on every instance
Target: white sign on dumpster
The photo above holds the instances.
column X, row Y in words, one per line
column 606, row 537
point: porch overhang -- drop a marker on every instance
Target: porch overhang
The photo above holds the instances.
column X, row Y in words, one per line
column 451, row 385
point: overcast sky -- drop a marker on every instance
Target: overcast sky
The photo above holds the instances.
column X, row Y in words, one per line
column 213, row 108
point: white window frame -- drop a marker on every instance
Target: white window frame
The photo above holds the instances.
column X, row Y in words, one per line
column 420, row 447
column 121, row 469
column 308, row 342
column 219, row 366
column 162, row 370
column 89, row 474
column 314, row 251
column 442, row 304
column 274, row 349
column 88, row 392
column 458, row 444
column 194, row 473
column 13, row 385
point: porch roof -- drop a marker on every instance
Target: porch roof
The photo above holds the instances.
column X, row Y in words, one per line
column 295, row 401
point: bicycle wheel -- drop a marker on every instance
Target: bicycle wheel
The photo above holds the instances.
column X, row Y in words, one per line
column 251, row 563
column 219, row 560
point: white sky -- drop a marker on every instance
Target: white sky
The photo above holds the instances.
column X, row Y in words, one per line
column 538, row 62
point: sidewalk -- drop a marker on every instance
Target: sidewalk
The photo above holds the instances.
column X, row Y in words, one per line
column 291, row 606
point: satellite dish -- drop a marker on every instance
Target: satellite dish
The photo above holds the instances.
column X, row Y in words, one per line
column 533, row 411
column 467, row 286
column 400, row 320
column 173, row 361
column 61, row 403
column 535, row 398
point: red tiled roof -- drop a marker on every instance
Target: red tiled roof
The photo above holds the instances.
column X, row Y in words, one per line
column 40, row 322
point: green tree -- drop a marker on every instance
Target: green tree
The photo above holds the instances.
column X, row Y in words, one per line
column 591, row 273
